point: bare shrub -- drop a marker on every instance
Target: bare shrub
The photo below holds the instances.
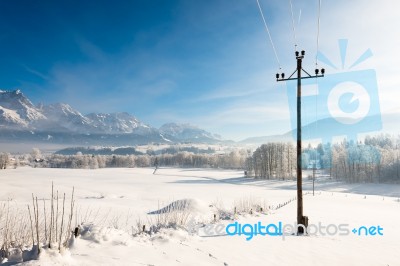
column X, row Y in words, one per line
column 250, row 205
column 24, row 232
column 175, row 215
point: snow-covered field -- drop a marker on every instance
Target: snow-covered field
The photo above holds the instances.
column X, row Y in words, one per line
column 114, row 200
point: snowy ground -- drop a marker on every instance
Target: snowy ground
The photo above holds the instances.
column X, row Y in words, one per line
column 114, row 199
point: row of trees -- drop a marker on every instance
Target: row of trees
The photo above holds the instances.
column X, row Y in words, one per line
column 233, row 160
column 377, row 159
column 365, row 163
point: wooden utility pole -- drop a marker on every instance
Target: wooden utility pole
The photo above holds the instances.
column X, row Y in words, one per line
column 281, row 77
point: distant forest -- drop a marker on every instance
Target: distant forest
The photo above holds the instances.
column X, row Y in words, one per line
column 131, row 151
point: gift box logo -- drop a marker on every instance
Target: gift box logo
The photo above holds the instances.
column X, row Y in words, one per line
column 343, row 103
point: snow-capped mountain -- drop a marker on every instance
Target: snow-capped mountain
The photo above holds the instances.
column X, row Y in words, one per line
column 10, row 118
column 187, row 132
column 21, row 120
column 63, row 118
column 118, row 123
column 17, row 111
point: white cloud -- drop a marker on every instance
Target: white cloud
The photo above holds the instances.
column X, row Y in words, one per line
column 36, row 73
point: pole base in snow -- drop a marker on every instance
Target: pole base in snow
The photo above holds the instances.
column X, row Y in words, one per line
column 304, row 222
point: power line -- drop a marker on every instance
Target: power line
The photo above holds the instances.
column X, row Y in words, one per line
column 318, row 25
column 269, row 34
column 298, row 22
column 316, row 64
column 317, row 88
column 294, row 28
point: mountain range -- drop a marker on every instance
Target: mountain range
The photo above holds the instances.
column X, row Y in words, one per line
column 21, row 120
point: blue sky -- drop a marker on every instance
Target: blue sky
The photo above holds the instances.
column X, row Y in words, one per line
column 208, row 63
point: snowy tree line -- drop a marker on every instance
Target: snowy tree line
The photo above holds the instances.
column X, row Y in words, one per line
column 232, row 160
column 173, row 149
column 376, row 159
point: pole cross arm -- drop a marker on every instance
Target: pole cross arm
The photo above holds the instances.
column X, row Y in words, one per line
column 309, row 77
